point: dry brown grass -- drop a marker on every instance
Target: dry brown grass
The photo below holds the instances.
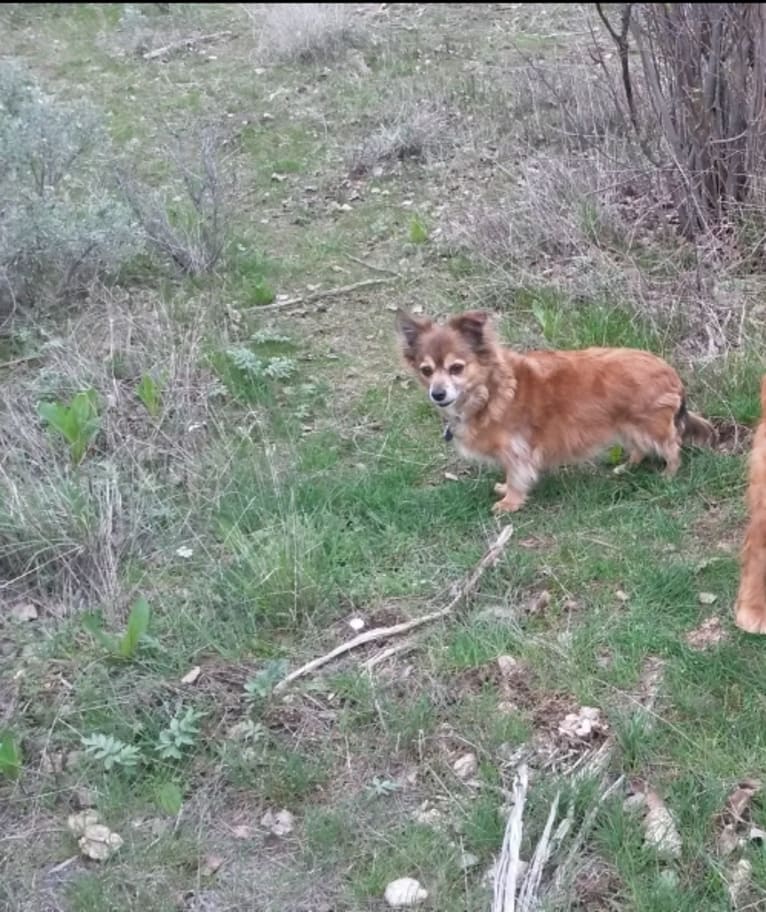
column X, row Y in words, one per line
column 67, row 532
column 421, row 129
column 305, row 32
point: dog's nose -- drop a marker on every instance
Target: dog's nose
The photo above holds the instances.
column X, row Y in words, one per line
column 438, row 394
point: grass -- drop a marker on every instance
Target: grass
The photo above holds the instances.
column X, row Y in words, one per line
column 289, row 478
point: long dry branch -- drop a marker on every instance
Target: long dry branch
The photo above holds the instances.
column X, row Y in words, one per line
column 328, row 293
column 379, row 633
column 185, row 44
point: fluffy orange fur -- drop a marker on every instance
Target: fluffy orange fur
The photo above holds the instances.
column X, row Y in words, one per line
column 750, row 608
column 531, row 412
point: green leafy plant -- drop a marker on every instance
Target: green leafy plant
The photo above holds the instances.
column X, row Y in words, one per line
column 546, row 318
column 418, row 231
column 259, row 687
column 126, row 646
column 182, row 732
column 246, row 361
column 261, row 293
column 78, row 423
column 381, row 788
column 110, row 751
column 149, row 391
column 10, row 755
column 169, row 798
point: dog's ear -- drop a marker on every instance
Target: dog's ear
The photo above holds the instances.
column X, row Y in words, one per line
column 409, row 329
column 472, row 326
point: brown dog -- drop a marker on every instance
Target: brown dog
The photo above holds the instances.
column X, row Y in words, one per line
column 750, row 608
column 531, row 412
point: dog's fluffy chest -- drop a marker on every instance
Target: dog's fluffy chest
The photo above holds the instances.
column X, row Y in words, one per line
column 469, row 443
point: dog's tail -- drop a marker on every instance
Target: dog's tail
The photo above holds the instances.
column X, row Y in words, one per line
column 694, row 428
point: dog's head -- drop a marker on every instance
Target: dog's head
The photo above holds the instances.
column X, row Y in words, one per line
column 447, row 359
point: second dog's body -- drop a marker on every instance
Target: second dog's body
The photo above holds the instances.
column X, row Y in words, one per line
column 535, row 411
column 750, row 608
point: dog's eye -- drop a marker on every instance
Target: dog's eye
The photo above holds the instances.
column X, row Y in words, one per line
column 426, row 371
column 456, row 368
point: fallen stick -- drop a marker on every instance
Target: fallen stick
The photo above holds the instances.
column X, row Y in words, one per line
column 386, row 654
column 528, row 895
column 382, row 269
column 186, row 43
column 379, row 633
column 329, row 293
column 507, row 871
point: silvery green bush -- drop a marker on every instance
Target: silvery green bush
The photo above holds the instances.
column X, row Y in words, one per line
column 61, row 223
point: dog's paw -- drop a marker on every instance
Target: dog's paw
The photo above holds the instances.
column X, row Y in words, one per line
column 509, row 504
column 750, row 619
column 501, row 488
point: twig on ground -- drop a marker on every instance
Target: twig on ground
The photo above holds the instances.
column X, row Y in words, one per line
column 528, row 895
column 507, row 871
column 379, row 633
column 564, row 870
column 380, row 657
column 328, row 293
column 382, row 269
column 185, row 43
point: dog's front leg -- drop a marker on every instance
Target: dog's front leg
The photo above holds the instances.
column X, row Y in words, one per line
column 521, row 469
column 513, row 494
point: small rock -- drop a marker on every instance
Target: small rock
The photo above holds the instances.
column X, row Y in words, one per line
column 465, row 767
column 280, row 824
column 450, row 476
column 210, row 865
column 99, row 842
column 660, row 829
column 24, row 611
column 77, row 823
column 507, row 665
column 191, row 676
column 404, row 892
column 621, row 596
column 427, row 815
column 468, row 860
column 756, row 834
column 582, row 724
column 279, row 178
column 707, row 598
column 540, row 602
column 356, row 624
column 184, row 551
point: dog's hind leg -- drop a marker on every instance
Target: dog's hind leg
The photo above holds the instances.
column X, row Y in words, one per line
column 750, row 608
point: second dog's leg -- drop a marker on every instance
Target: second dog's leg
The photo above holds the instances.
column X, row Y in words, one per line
column 750, row 608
